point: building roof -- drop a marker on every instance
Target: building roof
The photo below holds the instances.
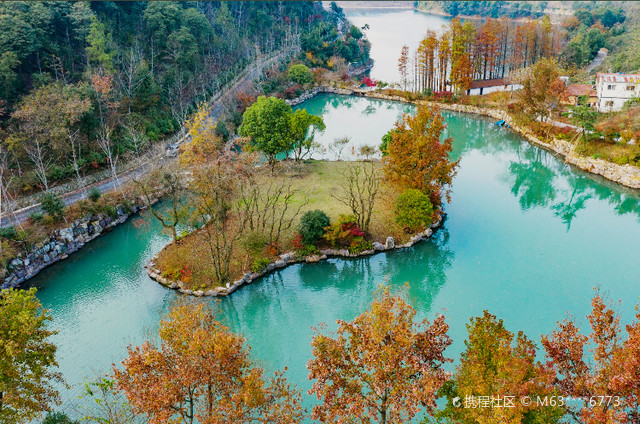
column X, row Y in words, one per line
column 488, row 83
column 580, row 90
column 618, row 77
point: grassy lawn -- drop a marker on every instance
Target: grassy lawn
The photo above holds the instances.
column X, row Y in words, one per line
column 315, row 182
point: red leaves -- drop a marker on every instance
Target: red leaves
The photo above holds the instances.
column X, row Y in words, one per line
column 380, row 367
column 614, row 370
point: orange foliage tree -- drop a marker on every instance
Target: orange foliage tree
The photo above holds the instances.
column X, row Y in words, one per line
column 499, row 367
column 607, row 385
column 202, row 373
column 381, row 367
column 417, row 157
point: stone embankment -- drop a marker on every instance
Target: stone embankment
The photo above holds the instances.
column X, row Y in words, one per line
column 284, row 260
column 60, row 244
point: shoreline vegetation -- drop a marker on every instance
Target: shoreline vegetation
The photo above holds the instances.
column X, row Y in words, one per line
column 626, row 175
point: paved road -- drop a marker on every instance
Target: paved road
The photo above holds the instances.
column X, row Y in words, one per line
column 597, row 61
column 242, row 84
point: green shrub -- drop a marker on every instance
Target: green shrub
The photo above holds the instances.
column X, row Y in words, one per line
column 254, row 242
column 312, row 226
column 36, row 217
column 260, row 264
column 300, row 74
column 358, row 246
column 52, row 205
column 110, row 211
column 94, row 194
column 8, row 232
column 58, row 418
column 413, row 209
column 47, row 220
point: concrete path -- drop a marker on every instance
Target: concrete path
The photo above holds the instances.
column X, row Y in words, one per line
column 241, row 83
column 597, row 61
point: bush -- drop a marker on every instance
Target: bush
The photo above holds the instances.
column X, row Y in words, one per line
column 344, row 232
column 358, row 246
column 413, row 209
column 260, row 264
column 8, row 232
column 110, row 211
column 312, row 226
column 300, row 74
column 94, row 194
column 52, row 205
column 58, row 418
column 255, row 242
column 36, row 217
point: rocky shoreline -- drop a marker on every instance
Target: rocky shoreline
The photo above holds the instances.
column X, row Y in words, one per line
column 62, row 243
column 285, row 259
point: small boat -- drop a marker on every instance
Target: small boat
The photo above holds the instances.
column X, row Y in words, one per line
column 502, row 123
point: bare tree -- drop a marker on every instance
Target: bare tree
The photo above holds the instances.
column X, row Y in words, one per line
column 360, row 189
column 216, row 187
column 106, row 108
column 269, row 207
column 171, row 183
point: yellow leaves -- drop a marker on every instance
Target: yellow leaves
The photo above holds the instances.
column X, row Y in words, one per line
column 204, row 143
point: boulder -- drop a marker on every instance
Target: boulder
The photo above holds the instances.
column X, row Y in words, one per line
column 428, row 233
column 390, row 243
column 280, row 263
column 198, row 293
column 210, row 293
column 312, row 258
column 343, row 252
column 270, row 267
column 367, row 252
column 378, row 247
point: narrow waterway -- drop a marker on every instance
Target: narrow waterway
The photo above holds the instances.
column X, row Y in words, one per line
column 526, row 237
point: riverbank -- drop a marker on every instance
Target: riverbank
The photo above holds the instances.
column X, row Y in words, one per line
column 284, row 260
column 61, row 243
column 626, row 175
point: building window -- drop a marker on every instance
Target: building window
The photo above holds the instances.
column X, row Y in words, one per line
column 610, row 87
column 609, row 103
column 631, row 87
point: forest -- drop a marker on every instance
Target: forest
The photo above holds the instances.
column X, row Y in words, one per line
column 89, row 85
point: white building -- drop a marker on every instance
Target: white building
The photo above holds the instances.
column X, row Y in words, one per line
column 614, row 90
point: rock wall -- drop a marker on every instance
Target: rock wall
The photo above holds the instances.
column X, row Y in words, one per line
column 284, row 260
column 60, row 244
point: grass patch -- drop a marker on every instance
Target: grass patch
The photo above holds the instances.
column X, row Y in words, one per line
column 316, row 182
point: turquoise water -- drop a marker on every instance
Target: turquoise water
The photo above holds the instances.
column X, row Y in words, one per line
column 526, row 237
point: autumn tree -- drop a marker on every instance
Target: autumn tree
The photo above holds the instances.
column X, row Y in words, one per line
column 542, row 89
column 202, row 372
column 499, row 365
column 417, row 157
column 381, row 367
column 360, row 187
column 217, row 189
column 47, row 121
column 403, row 62
column 27, row 358
column 600, row 371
